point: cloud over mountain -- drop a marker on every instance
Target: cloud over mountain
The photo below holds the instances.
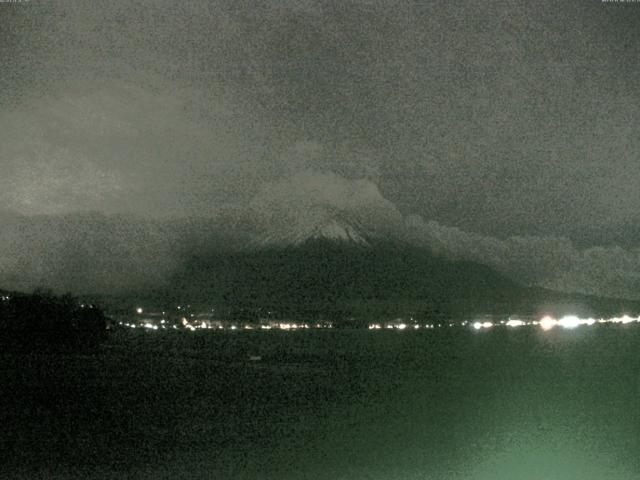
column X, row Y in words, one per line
column 294, row 207
column 97, row 252
column 553, row 262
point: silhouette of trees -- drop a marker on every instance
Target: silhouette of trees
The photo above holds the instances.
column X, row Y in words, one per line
column 42, row 321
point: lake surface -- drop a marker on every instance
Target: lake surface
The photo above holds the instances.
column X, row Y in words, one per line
column 329, row 404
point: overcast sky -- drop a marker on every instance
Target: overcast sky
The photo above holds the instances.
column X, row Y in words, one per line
column 498, row 118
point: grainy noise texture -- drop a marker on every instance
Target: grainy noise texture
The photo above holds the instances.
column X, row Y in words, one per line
column 493, row 127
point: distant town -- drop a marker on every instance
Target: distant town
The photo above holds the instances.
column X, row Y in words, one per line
column 184, row 317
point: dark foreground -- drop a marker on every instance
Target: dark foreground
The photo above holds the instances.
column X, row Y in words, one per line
column 450, row 404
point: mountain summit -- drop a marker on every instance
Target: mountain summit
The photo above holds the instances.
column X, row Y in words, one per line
column 332, row 230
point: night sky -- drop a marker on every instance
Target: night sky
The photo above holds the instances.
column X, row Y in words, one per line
column 317, row 187
column 506, row 131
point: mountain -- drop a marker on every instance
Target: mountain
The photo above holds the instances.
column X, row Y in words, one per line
column 343, row 277
column 335, row 266
column 333, row 262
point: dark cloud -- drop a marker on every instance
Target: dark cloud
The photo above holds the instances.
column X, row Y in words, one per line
column 86, row 253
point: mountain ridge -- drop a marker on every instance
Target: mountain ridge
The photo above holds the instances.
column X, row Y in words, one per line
column 385, row 278
column 332, row 258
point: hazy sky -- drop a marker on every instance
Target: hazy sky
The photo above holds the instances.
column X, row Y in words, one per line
column 499, row 118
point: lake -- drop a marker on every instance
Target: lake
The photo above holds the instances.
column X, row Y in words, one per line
column 449, row 403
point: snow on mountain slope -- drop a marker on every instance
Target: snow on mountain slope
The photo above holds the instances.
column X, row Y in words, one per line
column 332, row 230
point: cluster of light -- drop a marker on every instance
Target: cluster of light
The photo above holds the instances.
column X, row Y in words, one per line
column 515, row 323
column 479, row 325
column 394, row 326
column 571, row 321
column 292, row 326
column 147, row 325
column 398, row 326
column 401, row 326
column 546, row 323
column 205, row 325
column 624, row 319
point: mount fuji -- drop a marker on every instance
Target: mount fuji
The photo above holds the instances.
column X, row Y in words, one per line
column 338, row 263
column 342, row 264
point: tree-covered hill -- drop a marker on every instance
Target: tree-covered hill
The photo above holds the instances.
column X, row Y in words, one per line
column 42, row 321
